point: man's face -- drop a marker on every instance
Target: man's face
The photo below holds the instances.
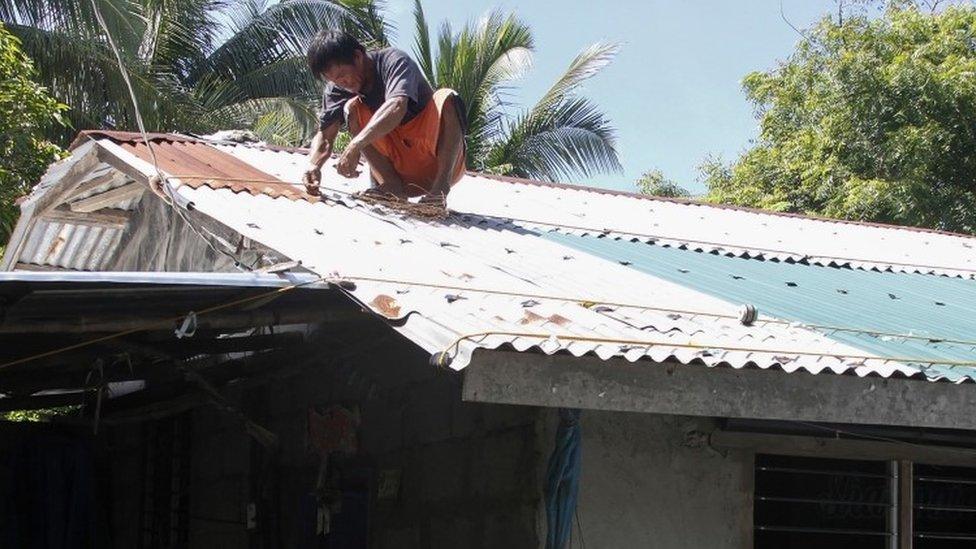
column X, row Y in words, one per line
column 348, row 77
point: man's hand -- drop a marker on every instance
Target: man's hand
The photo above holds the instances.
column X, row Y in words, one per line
column 348, row 163
column 311, row 178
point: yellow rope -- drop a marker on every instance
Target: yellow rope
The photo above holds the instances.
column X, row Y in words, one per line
column 339, row 281
column 592, row 302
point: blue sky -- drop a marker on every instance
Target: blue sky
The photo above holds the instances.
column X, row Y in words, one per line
column 674, row 91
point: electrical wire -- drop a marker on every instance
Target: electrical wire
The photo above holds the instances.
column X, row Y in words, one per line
column 590, row 303
column 173, row 321
column 876, row 438
column 605, row 230
column 161, row 177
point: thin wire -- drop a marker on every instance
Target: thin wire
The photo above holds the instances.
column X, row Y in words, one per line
column 837, row 431
column 152, row 152
column 163, row 322
column 592, row 302
column 128, row 83
column 605, row 230
column 454, row 347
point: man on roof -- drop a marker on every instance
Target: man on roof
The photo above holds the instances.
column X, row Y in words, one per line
column 411, row 136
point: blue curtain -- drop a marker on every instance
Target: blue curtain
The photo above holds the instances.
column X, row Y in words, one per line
column 562, row 480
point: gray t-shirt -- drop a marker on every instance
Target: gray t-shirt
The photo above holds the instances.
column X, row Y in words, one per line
column 396, row 76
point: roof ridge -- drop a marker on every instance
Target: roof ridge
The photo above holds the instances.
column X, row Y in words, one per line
column 701, row 203
column 174, row 137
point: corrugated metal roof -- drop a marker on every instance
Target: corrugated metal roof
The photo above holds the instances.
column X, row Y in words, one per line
column 70, row 246
column 932, row 308
column 514, row 270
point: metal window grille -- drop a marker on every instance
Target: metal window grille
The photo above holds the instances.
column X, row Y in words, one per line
column 944, row 507
column 802, row 502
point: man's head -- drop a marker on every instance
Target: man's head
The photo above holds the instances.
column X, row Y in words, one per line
column 339, row 58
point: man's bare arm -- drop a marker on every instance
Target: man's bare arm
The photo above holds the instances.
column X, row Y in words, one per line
column 318, row 152
column 384, row 121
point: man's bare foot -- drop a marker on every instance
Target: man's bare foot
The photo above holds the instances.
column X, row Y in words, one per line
column 434, row 199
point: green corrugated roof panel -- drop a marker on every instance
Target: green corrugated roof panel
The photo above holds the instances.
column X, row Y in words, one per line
column 925, row 305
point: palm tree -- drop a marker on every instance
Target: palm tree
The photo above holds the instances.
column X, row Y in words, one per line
column 561, row 136
column 188, row 78
column 183, row 79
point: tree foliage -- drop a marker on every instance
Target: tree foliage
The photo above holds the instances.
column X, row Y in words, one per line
column 186, row 78
column 869, row 119
column 26, row 112
column 654, row 183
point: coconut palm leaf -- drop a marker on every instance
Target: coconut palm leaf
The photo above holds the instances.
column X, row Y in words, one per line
column 573, row 138
column 477, row 62
column 421, row 46
column 562, row 135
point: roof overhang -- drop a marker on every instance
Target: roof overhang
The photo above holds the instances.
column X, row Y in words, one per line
column 694, row 390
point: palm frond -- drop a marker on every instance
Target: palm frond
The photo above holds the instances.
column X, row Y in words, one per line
column 285, row 29
column 93, row 87
column 421, row 46
column 477, row 62
column 587, row 64
column 568, row 139
column 276, row 120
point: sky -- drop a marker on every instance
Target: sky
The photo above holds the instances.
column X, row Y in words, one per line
column 674, row 92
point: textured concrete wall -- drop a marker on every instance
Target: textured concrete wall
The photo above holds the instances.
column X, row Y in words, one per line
column 652, row 481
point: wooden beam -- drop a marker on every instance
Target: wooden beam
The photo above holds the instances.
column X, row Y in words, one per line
column 107, row 198
column 108, row 217
column 906, row 501
column 216, row 321
column 60, row 179
column 90, row 185
column 841, row 448
column 40, row 402
column 38, row 268
column 696, row 390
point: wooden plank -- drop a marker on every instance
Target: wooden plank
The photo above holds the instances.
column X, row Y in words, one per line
column 906, row 500
column 90, row 185
column 841, row 448
column 108, row 217
column 38, row 268
column 696, row 390
column 40, row 402
column 107, row 198
column 60, row 182
column 232, row 320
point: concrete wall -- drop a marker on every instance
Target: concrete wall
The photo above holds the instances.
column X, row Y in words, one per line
column 652, row 481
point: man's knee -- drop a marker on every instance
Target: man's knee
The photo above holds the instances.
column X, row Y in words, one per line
column 352, row 110
column 451, row 112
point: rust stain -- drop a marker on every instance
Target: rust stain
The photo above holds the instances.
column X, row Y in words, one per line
column 54, row 248
column 558, row 320
column 386, row 305
column 529, row 317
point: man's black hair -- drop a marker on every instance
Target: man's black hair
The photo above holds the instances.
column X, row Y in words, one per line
column 330, row 48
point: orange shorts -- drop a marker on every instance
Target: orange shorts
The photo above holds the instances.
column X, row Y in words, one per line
column 412, row 147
